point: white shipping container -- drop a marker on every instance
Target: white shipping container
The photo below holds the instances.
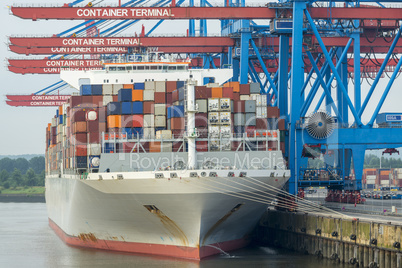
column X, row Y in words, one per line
column 202, row 106
column 224, row 118
column 213, row 105
column 160, row 86
column 149, row 85
column 370, row 181
column 213, row 131
column 160, row 121
column 94, row 149
column 213, row 118
column 54, row 122
column 107, row 89
column 164, row 134
column 244, row 97
column 149, row 120
column 107, row 99
column 385, row 182
column 224, row 104
column 261, row 112
column 116, row 88
column 166, row 147
column 212, row 85
column 226, row 145
column 149, row 95
column 264, row 100
column 226, row 131
column 160, row 109
column 149, row 133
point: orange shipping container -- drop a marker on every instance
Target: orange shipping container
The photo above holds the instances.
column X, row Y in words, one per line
column 114, row 121
column 138, row 95
column 80, row 150
column 80, row 127
column 235, row 86
column 131, row 86
column 154, row 146
column 216, row 92
column 60, row 109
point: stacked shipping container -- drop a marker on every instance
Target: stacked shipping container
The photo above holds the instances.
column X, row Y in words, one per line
column 155, row 109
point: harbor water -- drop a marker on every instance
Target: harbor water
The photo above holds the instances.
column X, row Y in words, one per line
column 26, row 240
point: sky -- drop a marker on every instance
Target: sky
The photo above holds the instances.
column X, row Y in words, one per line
column 23, row 128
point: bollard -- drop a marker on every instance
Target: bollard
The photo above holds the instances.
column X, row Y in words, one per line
column 393, row 259
column 387, row 258
column 366, row 258
column 341, row 252
column 382, row 258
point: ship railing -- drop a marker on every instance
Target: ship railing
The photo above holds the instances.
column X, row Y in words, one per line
column 137, row 143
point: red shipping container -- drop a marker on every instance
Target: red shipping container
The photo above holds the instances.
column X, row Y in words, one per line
column 203, row 132
column 203, row 92
column 236, row 96
column 235, row 146
column 177, row 123
column 93, row 126
column 102, row 127
column 272, row 112
column 160, row 97
column 201, row 120
column 126, row 121
column 169, row 98
column 80, row 127
column 202, row 146
column 77, row 114
column 262, row 123
column 239, row 106
column 281, row 124
column 272, row 145
column 245, row 89
column 175, row 96
column 80, row 150
column 95, row 137
column 227, row 92
column 87, row 101
column 171, row 86
column 138, row 120
column 149, row 107
column 79, row 138
column 102, row 114
column 97, row 100
column 177, row 146
column 75, row 101
column 115, row 98
column 128, row 147
column 177, row 133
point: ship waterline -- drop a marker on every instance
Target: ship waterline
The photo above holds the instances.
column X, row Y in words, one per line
column 186, row 217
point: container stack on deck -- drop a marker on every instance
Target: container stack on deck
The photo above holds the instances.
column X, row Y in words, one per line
column 111, row 118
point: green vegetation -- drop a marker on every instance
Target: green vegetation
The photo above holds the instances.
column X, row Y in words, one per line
column 21, row 175
column 23, row 190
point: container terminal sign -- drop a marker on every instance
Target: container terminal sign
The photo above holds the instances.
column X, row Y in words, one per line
column 394, row 118
column 124, row 13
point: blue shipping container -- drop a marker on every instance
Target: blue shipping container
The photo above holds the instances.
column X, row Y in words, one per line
column 96, row 90
column 109, row 147
column 138, row 107
column 139, row 86
column 125, row 94
column 389, row 118
column 61, row 119
column 238, row 129
column 85, row 90
column 92, row 164
column 126, row 108
column 180, row 84
column 138, row 131
column 129, row 132
column 114, row 108
column 181, row 94
column 175, row 111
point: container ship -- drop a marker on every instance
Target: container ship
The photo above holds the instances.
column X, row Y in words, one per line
column 152, row 157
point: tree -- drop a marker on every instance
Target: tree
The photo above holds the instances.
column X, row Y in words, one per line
column 30, row 178
column 37, row 164
column 22, row 164
column 40, row 179
column 16, row 177
column 4, row 175
column 374, row 163
column 7, row 164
